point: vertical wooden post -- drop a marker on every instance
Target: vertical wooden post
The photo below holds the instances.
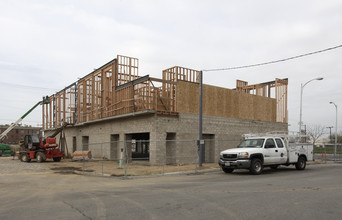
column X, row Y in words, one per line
column 43, row 111
column 50, row 108
column 64, row 107
column 84, row 100
column 93, row 109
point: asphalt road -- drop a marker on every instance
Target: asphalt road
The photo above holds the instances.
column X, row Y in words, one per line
column 315, row 193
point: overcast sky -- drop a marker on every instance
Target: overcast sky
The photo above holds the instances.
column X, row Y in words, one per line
column 46, row 45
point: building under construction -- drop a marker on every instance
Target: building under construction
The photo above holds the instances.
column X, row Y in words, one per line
column 115, row 104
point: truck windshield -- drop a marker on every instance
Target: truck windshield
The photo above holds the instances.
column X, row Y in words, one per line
column 252, row 143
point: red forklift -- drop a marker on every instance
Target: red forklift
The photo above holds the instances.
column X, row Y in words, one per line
column 35, row 148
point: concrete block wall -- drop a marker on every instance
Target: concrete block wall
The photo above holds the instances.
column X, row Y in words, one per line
column 184, row 129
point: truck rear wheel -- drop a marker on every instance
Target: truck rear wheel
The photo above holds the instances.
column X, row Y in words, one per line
column 301, row 163
column 227, row 170
column 256, row 166
column 40, row 157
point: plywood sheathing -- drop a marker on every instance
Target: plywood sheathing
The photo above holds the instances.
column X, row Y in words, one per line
column 264, row 89
column 224, row 102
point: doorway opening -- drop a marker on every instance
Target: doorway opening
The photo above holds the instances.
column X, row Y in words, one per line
column 140, row 146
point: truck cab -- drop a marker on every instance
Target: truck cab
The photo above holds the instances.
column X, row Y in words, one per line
column 31, row 142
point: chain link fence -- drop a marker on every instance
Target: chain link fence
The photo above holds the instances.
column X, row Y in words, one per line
column 143, row 157
column 326, row 152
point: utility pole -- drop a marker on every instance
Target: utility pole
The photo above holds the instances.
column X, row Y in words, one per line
column 330, row 133
column 200, row 141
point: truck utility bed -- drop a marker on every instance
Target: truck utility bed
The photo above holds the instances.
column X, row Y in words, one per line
column 295, row 149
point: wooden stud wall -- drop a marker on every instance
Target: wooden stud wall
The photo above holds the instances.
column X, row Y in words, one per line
column 114, row 90
column 127, row 69
column 61, row 108
column 95, row 94
column 177, row 73
column 281, row 96
column 47, row 113
column 169, row 90
column 264, row 89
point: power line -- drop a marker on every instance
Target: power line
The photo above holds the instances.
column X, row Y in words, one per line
column 25, row 86
column 274, row 61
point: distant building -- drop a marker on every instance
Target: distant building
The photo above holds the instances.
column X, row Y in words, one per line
column 18, row 133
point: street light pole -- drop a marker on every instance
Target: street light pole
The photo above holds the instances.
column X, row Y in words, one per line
column 335, row 130
column 301, row 101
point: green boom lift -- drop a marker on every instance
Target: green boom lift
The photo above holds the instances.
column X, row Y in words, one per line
column 5, row 149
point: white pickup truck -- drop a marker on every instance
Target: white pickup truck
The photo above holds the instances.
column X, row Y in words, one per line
column 255, row 153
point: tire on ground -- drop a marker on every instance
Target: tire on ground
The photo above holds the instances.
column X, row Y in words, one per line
column 301, row 163
column 256, row 166
column 40, row 157
column 25, row 158
column 227, row 170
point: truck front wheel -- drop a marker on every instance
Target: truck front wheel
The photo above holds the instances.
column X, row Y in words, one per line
column 301, row 163
column 227, row 170
column 256, row 166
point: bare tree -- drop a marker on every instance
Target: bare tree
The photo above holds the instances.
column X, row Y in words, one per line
column 315, row 132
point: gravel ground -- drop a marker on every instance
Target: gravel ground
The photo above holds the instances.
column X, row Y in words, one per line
column 8, row 165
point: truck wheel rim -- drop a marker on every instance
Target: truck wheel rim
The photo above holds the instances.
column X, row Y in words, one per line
column 257, row 167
